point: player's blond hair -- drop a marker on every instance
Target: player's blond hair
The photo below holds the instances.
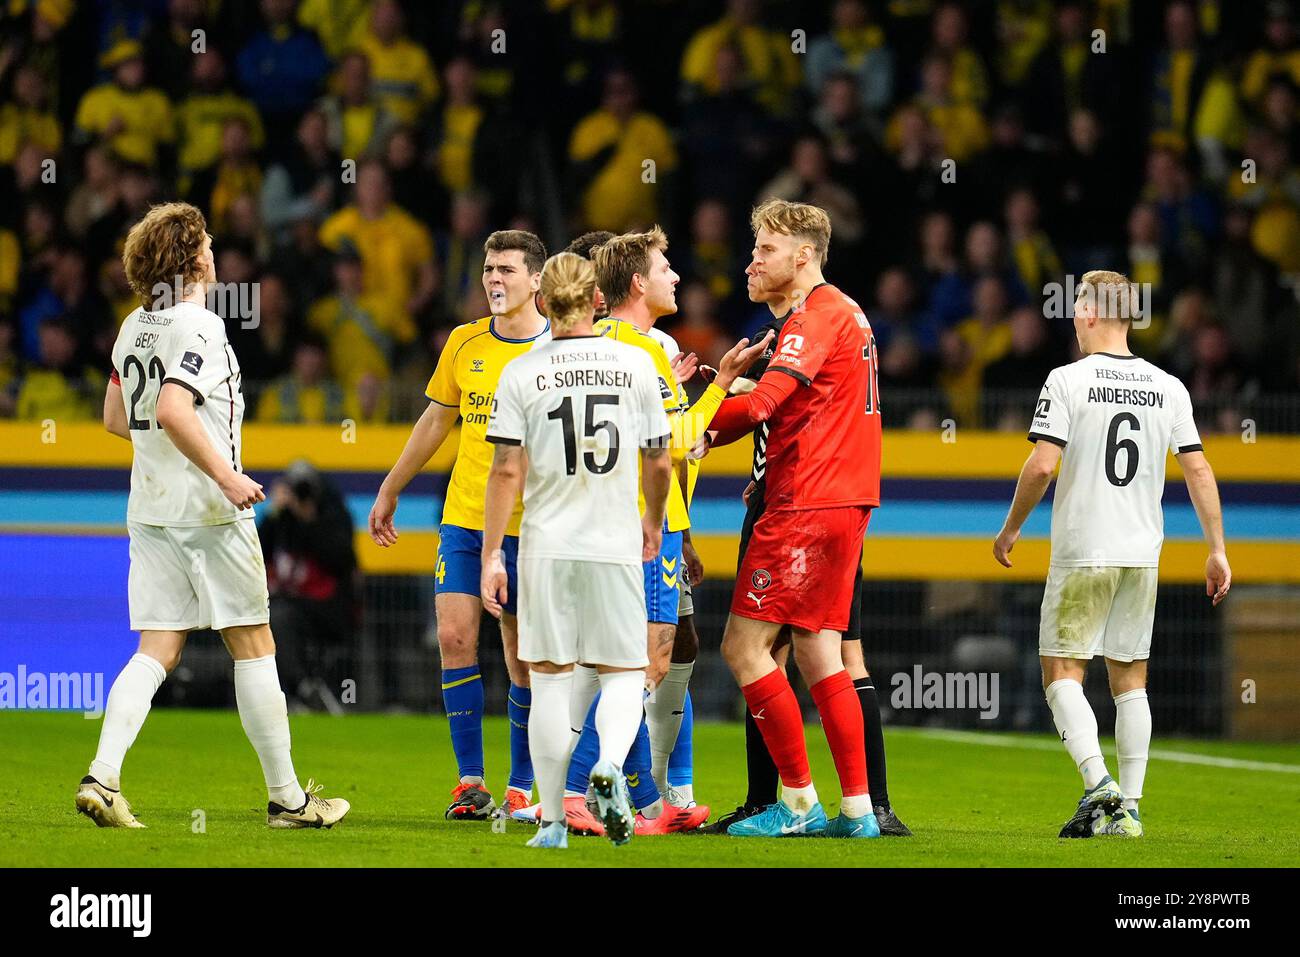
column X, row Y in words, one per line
column 568, row 290
column 800, row 220
column 1111, row 293
column 163, row 248
column 619, row 259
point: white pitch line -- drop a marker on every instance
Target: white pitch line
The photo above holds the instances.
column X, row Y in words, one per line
column 997, row 740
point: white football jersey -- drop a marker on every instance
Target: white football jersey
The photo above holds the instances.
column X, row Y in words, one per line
column 185, row 344
column 665, row 340
column 582, row 407
column 1115, row 417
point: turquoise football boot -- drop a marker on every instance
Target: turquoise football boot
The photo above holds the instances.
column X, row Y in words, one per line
column 779, row 821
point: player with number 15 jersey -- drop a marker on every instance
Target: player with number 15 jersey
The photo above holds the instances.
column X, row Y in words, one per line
column 582, row 417
column 582, row 407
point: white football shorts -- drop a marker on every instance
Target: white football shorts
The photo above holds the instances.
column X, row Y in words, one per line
column 206, row 576
column 1106, row 611
column 588, row 612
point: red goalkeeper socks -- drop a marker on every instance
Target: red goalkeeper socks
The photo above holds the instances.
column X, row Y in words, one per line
column 775, row 710
column 841, row 712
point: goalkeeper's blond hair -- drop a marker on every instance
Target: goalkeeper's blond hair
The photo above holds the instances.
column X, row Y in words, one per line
column 800, row 220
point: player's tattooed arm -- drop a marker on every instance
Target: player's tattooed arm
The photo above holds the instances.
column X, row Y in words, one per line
column 115, row 412
column 662, row 638
column 1035, row 476
column 505, row 480
column 426, row 438
column 1203, row 490
column 656, row 479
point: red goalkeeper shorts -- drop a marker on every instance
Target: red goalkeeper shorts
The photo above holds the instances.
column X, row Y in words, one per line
column 800, row 566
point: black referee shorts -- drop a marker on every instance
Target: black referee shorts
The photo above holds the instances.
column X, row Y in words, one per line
column 752, row 514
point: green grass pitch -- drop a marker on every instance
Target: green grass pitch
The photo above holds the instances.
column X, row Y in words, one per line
column 995, row 801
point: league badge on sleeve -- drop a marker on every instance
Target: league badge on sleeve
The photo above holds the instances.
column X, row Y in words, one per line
column 192, row 362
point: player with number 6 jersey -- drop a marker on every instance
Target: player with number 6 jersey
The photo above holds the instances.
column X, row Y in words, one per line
column 1110, row 420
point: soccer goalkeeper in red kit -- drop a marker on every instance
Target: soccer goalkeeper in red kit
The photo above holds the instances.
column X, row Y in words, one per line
column 820, row 400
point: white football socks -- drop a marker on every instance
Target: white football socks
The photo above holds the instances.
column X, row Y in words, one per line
column 550, row 741
column 799, row 800
column 1132, row 742
column 128, row 705
column 664, row 710
column 265, row 717
column 859, row 805
column 618, row 714
column 1077, row 726
column 586, row 683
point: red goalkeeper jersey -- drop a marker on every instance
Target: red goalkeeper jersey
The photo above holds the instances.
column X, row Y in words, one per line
column 823, row 444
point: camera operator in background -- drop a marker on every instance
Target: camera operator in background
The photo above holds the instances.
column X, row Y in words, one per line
column 311, row 570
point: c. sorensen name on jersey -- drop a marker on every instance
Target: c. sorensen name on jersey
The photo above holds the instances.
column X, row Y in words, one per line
column 1114, row 396
column 570, row 378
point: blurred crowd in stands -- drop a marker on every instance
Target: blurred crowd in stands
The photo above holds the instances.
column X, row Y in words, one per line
column 352, row 155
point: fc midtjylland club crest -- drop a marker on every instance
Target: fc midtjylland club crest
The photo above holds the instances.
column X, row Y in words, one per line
column 760, row 579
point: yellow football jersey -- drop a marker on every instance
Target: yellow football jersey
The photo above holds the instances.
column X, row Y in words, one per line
column 692, row 477
column 692, row 465
column 466, row 379
column 624, row 331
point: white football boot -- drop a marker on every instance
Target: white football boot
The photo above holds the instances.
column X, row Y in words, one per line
column 103, row 805
column 315, row 812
